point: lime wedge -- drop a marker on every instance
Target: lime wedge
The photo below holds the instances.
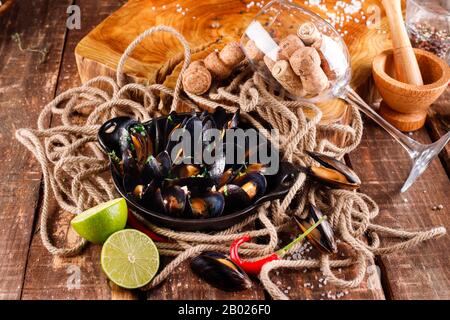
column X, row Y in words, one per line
column 98, row 223
column 130, row 259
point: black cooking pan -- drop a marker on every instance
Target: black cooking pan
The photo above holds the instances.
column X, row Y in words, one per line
column 277, row 185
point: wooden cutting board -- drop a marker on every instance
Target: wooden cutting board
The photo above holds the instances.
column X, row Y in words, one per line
column 207, row 25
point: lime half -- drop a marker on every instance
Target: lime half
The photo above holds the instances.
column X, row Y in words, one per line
column 98, row 223
column 130, row 259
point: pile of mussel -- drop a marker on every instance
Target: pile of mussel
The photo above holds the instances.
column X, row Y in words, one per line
column 178, row 185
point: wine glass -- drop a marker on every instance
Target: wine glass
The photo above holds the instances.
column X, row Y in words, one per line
column 268, row 39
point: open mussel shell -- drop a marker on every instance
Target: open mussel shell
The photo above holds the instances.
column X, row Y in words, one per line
column 332, row 172
column 254, row 184
column 207, row 205
column 322, row 237
column 156, row 167
column 141, row 142
column 182, row 171
column 174, row 200
column 220, row 272
column 235, row 197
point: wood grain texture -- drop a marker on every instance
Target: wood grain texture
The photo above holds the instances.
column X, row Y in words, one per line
column 208, row 25
column 438, row 123
column 184, row 284
column 421, row 272
column 25, row 85
column 406, row 66
column 49, row 277
column 405, row 105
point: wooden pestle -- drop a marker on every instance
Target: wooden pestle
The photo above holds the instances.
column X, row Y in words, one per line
column 406, row 66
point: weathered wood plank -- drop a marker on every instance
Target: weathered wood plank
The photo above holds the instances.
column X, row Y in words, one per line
column 438, row 124
column 184, row 284
column 49, row 277
column 421, row 272
column 26, row 83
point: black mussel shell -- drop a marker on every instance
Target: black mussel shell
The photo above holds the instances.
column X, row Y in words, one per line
column 332, row 172
column 207, row 205
column 220, row 272
column 156, row 168
column 253, row 183
column 216, row 170
column 227, row 176
column 174, row 199
column 235, row 197
column 322, row 237
column 142, row 142
column 256, row 167
column 130, row 166
column 220, row 117
column 152, row 197
column 182, row 171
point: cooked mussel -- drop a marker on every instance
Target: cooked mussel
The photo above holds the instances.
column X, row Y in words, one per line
column 183, row 187
column 322, row 237
column 174, row 200
column 220, row 272
column 207, row 205
column 253, row 183
column 332, row 172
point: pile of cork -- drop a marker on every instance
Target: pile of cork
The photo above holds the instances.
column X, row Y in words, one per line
column 300, row 66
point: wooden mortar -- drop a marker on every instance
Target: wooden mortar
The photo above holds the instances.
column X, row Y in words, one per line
column 405, row 105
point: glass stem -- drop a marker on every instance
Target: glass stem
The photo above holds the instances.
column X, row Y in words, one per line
column 411, row 146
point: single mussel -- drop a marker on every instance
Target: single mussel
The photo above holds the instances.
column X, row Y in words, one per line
column 207, row 205
column 182, row 171
column 156, row 167
column 322, row 237
column 254, row 184
column 332, row 172
column 142, row 144
column 220, row 272
column 174, row 200
column 243, row 190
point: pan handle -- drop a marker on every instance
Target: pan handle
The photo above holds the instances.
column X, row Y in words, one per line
column 283, row 181
column 110, row 132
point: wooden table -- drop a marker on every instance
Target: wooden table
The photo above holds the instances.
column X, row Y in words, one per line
column 28, row 271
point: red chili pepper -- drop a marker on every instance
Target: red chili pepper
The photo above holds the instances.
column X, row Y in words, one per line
column 251, row 267
column 254, row 267
column 134, row 223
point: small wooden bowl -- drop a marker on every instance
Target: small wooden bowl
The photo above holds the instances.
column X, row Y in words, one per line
column 6, row 6
column 404, row 105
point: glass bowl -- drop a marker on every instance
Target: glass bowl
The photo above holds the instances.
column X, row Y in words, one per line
column 275, row 33
column 428, row 25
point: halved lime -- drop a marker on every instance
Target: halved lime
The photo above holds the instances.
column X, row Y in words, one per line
column 98, row 223
column 130, row 259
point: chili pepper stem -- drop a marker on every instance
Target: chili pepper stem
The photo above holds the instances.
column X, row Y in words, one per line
column 288, row 247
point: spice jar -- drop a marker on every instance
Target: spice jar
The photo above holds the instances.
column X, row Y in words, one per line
column 428, row 25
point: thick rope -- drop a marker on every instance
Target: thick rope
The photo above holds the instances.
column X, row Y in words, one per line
column 75, row 170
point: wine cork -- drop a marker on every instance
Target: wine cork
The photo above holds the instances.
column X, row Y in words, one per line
column 325, row 65
column 305, row 63
column 288, row 46
column 269, row 63
column 216, row 66
column 196, row 78
column 252, row 51
column 232, row 54
column 309, row 33
column 284, row 74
